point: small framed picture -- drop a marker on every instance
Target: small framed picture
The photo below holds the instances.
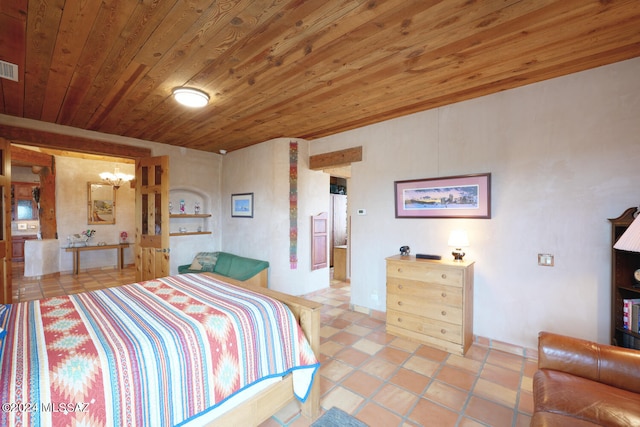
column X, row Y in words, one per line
column 242, row 205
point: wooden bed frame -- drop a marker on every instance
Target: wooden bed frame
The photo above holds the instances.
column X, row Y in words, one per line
column 266, row 403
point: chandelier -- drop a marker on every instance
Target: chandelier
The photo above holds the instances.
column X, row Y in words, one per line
column 116, row 178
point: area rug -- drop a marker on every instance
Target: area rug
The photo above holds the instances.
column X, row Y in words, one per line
column 336, row 417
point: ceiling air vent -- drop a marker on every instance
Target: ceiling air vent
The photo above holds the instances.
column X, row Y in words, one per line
column 8, row 71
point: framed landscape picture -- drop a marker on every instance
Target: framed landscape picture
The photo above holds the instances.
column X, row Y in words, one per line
column 242, row 205
column 464, row 196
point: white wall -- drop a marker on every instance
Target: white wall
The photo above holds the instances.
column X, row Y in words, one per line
column 564, row 156
column 263, row 170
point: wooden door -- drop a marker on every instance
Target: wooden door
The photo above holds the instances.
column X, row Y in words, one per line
column 319, row 232
column 5, row 224
column 152, row 218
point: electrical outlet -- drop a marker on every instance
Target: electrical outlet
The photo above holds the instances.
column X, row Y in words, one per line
column 362, row 211
column 545, row 260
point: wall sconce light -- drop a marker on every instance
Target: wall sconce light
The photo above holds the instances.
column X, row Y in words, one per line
column 458, row 239
column 190, row 97
column 116, row 178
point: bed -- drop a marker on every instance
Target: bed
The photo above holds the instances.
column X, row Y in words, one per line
column 189, row 350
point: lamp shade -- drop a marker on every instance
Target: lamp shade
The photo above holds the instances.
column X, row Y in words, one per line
column 458, row 239
column 630, row 239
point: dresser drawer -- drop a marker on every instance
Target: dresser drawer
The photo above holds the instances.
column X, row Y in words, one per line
column 428, row 327
column 425, row 273
column 424, row 308
column 434, row 294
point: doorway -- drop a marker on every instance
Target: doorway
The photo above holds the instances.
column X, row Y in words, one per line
column 339, row 230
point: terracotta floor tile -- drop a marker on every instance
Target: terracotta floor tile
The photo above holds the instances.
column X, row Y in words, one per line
column 375, row 415
column 395, row 398
column 422, row 366
column 461, row 362
column 393, row 355
column 368, row 346
column 446, row 395
column 431, row 353
column 330, row 348
column 426, row 413
column 456, row 377
column 339, row 324
column 495, row 392
column 405, row 344
column 503, row 376
column 505, row 360
column 342, row 398
column 371, row 323
column 468, row 422
column 380, row 337
column 361, row 383
column 477, row 352
column 351, row 356
column 328, row 331
column 361, row 331
column 379, row 368
column 325, row 384
column 345, row 338
column 488, row 412
column 335, row 370
column 410, row 380
column 525, row 402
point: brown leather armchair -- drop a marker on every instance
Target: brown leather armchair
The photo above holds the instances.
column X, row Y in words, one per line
column 582, row 383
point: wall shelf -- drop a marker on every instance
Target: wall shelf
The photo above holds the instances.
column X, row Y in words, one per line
column 189, row 233
column 190, row 222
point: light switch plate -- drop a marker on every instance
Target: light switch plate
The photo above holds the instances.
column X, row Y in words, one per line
column 545, row 260
column 22, row 226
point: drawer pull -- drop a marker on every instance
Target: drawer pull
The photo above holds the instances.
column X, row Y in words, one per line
column 399, row 270
column 399, row 319
column 444, row 295
column 444, row 276
column 444, row 313
column 443, row 331
column 400, row 287
column 400, row 303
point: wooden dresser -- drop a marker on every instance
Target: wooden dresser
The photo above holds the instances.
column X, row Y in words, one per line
column 431, row 302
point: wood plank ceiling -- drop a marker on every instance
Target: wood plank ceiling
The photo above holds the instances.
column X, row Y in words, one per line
column 289, row 68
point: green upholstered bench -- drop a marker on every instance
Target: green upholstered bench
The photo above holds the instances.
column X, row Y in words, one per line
column 229, row 265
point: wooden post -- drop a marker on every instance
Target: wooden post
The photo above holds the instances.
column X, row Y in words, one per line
column 48, row 222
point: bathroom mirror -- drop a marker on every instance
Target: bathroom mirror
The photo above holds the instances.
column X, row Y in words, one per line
column 101, row 203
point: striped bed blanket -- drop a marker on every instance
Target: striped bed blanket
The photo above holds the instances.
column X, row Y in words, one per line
column 155, row 353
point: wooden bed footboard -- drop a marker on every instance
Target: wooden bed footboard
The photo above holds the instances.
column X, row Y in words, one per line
column 268, row 402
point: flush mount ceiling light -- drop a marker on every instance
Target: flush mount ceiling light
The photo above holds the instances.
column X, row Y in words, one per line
column 190, row 97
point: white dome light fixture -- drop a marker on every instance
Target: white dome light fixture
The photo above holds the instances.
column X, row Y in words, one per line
column 190, row 97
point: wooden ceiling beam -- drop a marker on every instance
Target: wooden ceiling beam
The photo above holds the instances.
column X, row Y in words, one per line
column 58, row 141
column 23, row 157
column 335, row 158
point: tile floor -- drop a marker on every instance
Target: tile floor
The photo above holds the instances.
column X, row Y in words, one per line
column 380, row 379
